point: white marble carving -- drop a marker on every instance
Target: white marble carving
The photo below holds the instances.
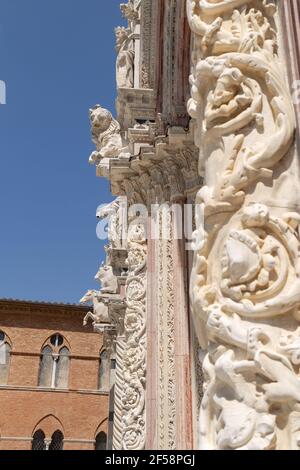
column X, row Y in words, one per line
column 134, row 363
column 131, row 10
column 100, row 308
column 107, row 280
column 245, row 287
column 106, row 134
column 125, row 58
column 116, row 213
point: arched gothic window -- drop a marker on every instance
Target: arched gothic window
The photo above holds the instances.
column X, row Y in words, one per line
column 54, row 364
column 38, row 441
column 101, row 441
column 104, row 372
column 57, row 441
column 5, row 350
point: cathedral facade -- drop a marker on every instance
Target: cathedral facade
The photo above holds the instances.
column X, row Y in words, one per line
column 200, row 293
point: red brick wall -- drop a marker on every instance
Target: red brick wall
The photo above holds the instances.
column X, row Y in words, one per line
column 81, row 411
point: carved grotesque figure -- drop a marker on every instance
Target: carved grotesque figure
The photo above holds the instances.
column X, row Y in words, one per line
column 100, row 308
column 113, row 212
column 106, row 134
column 107, row 280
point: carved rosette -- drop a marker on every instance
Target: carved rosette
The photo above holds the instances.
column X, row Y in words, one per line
column 245, row 287
column 134, row 362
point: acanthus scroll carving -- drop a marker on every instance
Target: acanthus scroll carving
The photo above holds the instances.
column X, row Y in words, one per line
column 245, row 286
column 134, row 361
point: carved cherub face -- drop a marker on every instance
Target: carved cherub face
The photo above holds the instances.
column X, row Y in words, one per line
column 228, row 85
column 137, row 232
column 255, row 215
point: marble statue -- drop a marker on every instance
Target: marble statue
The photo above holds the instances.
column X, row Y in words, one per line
column 100, row 308
column 131, row 10
column 245, row 286
column 106, row 134
column 107, row 279
column 113, row 212
column 125, row 58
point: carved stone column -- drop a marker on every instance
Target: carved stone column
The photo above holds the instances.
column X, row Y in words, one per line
column 169, row 400
column 149, row 156
column 118, row 391
column 134, row 360
column 245, row 286
column 161, row 364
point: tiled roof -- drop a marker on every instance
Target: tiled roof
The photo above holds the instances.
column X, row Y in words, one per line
column 40, row 302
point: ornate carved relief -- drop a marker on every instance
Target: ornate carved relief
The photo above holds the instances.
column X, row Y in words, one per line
column 134, row 362
column 116, row 213
column 245, row 288
column 131, row 10
column 159, row 165
column 149, row 43
column 125, row 58
column 166, row 332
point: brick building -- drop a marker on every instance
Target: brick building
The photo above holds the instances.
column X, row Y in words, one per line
column 54, row 379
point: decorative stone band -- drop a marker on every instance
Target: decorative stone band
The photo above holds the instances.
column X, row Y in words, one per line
column 290, row 20
column 134, row 362
column 171, row 176
column 118, row 396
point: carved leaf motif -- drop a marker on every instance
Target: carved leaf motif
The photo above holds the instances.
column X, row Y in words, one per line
column 245, row 284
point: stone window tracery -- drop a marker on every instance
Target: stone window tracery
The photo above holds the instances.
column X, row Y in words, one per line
column 54, row 363
column 57, row 441
column 104, row 371
column 5, row 351
column 39, row 441
column 101, row 441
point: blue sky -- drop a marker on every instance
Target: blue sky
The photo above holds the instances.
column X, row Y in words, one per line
column 57, row 59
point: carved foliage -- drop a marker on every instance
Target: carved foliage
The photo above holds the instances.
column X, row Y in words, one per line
column 245, row 287
column 134, row 363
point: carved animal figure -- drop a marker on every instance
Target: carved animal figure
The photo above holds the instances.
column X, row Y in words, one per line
column 113, row 213
column 106, row 134
column 100, row 314
column 107, row 280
